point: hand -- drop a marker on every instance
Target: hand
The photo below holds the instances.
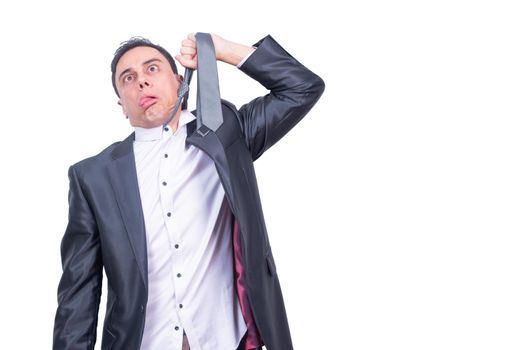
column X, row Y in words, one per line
column 225, row 51
column 188, row 51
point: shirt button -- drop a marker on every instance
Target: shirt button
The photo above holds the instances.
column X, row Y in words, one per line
column 176, row 246
column 166, row 129
column 164, row 183
column 179, row 275
column 169, row 214
column 142, row 308
column 176, row 328
column 180, row 305
column 165, row 155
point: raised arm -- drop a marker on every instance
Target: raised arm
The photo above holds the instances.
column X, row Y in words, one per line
column 294, row 89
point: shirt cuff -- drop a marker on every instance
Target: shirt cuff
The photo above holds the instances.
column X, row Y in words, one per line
column 245, row 58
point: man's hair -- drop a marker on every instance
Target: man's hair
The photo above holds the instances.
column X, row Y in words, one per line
column 131, row 44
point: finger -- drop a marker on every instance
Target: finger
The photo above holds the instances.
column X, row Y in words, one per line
column 188, row 43
column 187, row 58
column 190, row 51
column 186, row 62
column 191, row 36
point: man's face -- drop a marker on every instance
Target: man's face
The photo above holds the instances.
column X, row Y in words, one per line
column 147, row 86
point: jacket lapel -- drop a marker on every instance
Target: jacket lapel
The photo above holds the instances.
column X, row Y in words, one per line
column 209, row 142
column 122, row 174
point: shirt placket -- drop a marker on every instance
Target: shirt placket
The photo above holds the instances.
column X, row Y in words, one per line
column 167, row 190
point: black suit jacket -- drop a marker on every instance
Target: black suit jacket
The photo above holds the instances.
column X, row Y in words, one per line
column 106, row 225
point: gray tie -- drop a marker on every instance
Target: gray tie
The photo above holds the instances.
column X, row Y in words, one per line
column 209, row 108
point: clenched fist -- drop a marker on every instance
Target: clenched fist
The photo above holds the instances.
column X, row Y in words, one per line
column 225, row 51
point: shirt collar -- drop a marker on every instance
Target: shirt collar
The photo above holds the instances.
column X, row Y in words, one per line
column 155, row 133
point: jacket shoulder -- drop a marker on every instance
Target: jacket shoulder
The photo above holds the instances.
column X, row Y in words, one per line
column 228, row 107
column 231, row 112
column 96, row 162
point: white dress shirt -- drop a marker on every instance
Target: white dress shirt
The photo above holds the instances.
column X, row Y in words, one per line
column 188, row 226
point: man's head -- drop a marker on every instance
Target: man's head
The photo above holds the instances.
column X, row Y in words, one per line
column 146, row 80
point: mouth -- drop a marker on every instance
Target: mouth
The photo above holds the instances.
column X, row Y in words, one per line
column 147, row 101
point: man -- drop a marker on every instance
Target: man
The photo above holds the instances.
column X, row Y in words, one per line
column 173, row 215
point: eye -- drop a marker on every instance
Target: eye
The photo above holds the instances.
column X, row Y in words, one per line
column 152, row 68
column 128, row 78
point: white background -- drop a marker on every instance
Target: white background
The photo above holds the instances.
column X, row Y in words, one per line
column 394, row 209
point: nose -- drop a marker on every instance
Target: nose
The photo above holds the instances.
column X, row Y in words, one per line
column 143, row 82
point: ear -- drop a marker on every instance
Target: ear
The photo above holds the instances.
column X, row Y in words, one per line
column 123, row 110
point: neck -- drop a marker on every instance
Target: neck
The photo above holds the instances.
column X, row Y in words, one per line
column 173, row 124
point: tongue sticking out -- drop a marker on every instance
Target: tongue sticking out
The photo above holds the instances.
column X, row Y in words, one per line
column 147, row 101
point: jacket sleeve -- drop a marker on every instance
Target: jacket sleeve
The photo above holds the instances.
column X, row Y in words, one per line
column 294, row 90
column 80, row 286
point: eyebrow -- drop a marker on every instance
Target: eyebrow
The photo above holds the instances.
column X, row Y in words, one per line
column 145, row 63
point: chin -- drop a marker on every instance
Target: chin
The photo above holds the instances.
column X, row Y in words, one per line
column 155, row 116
